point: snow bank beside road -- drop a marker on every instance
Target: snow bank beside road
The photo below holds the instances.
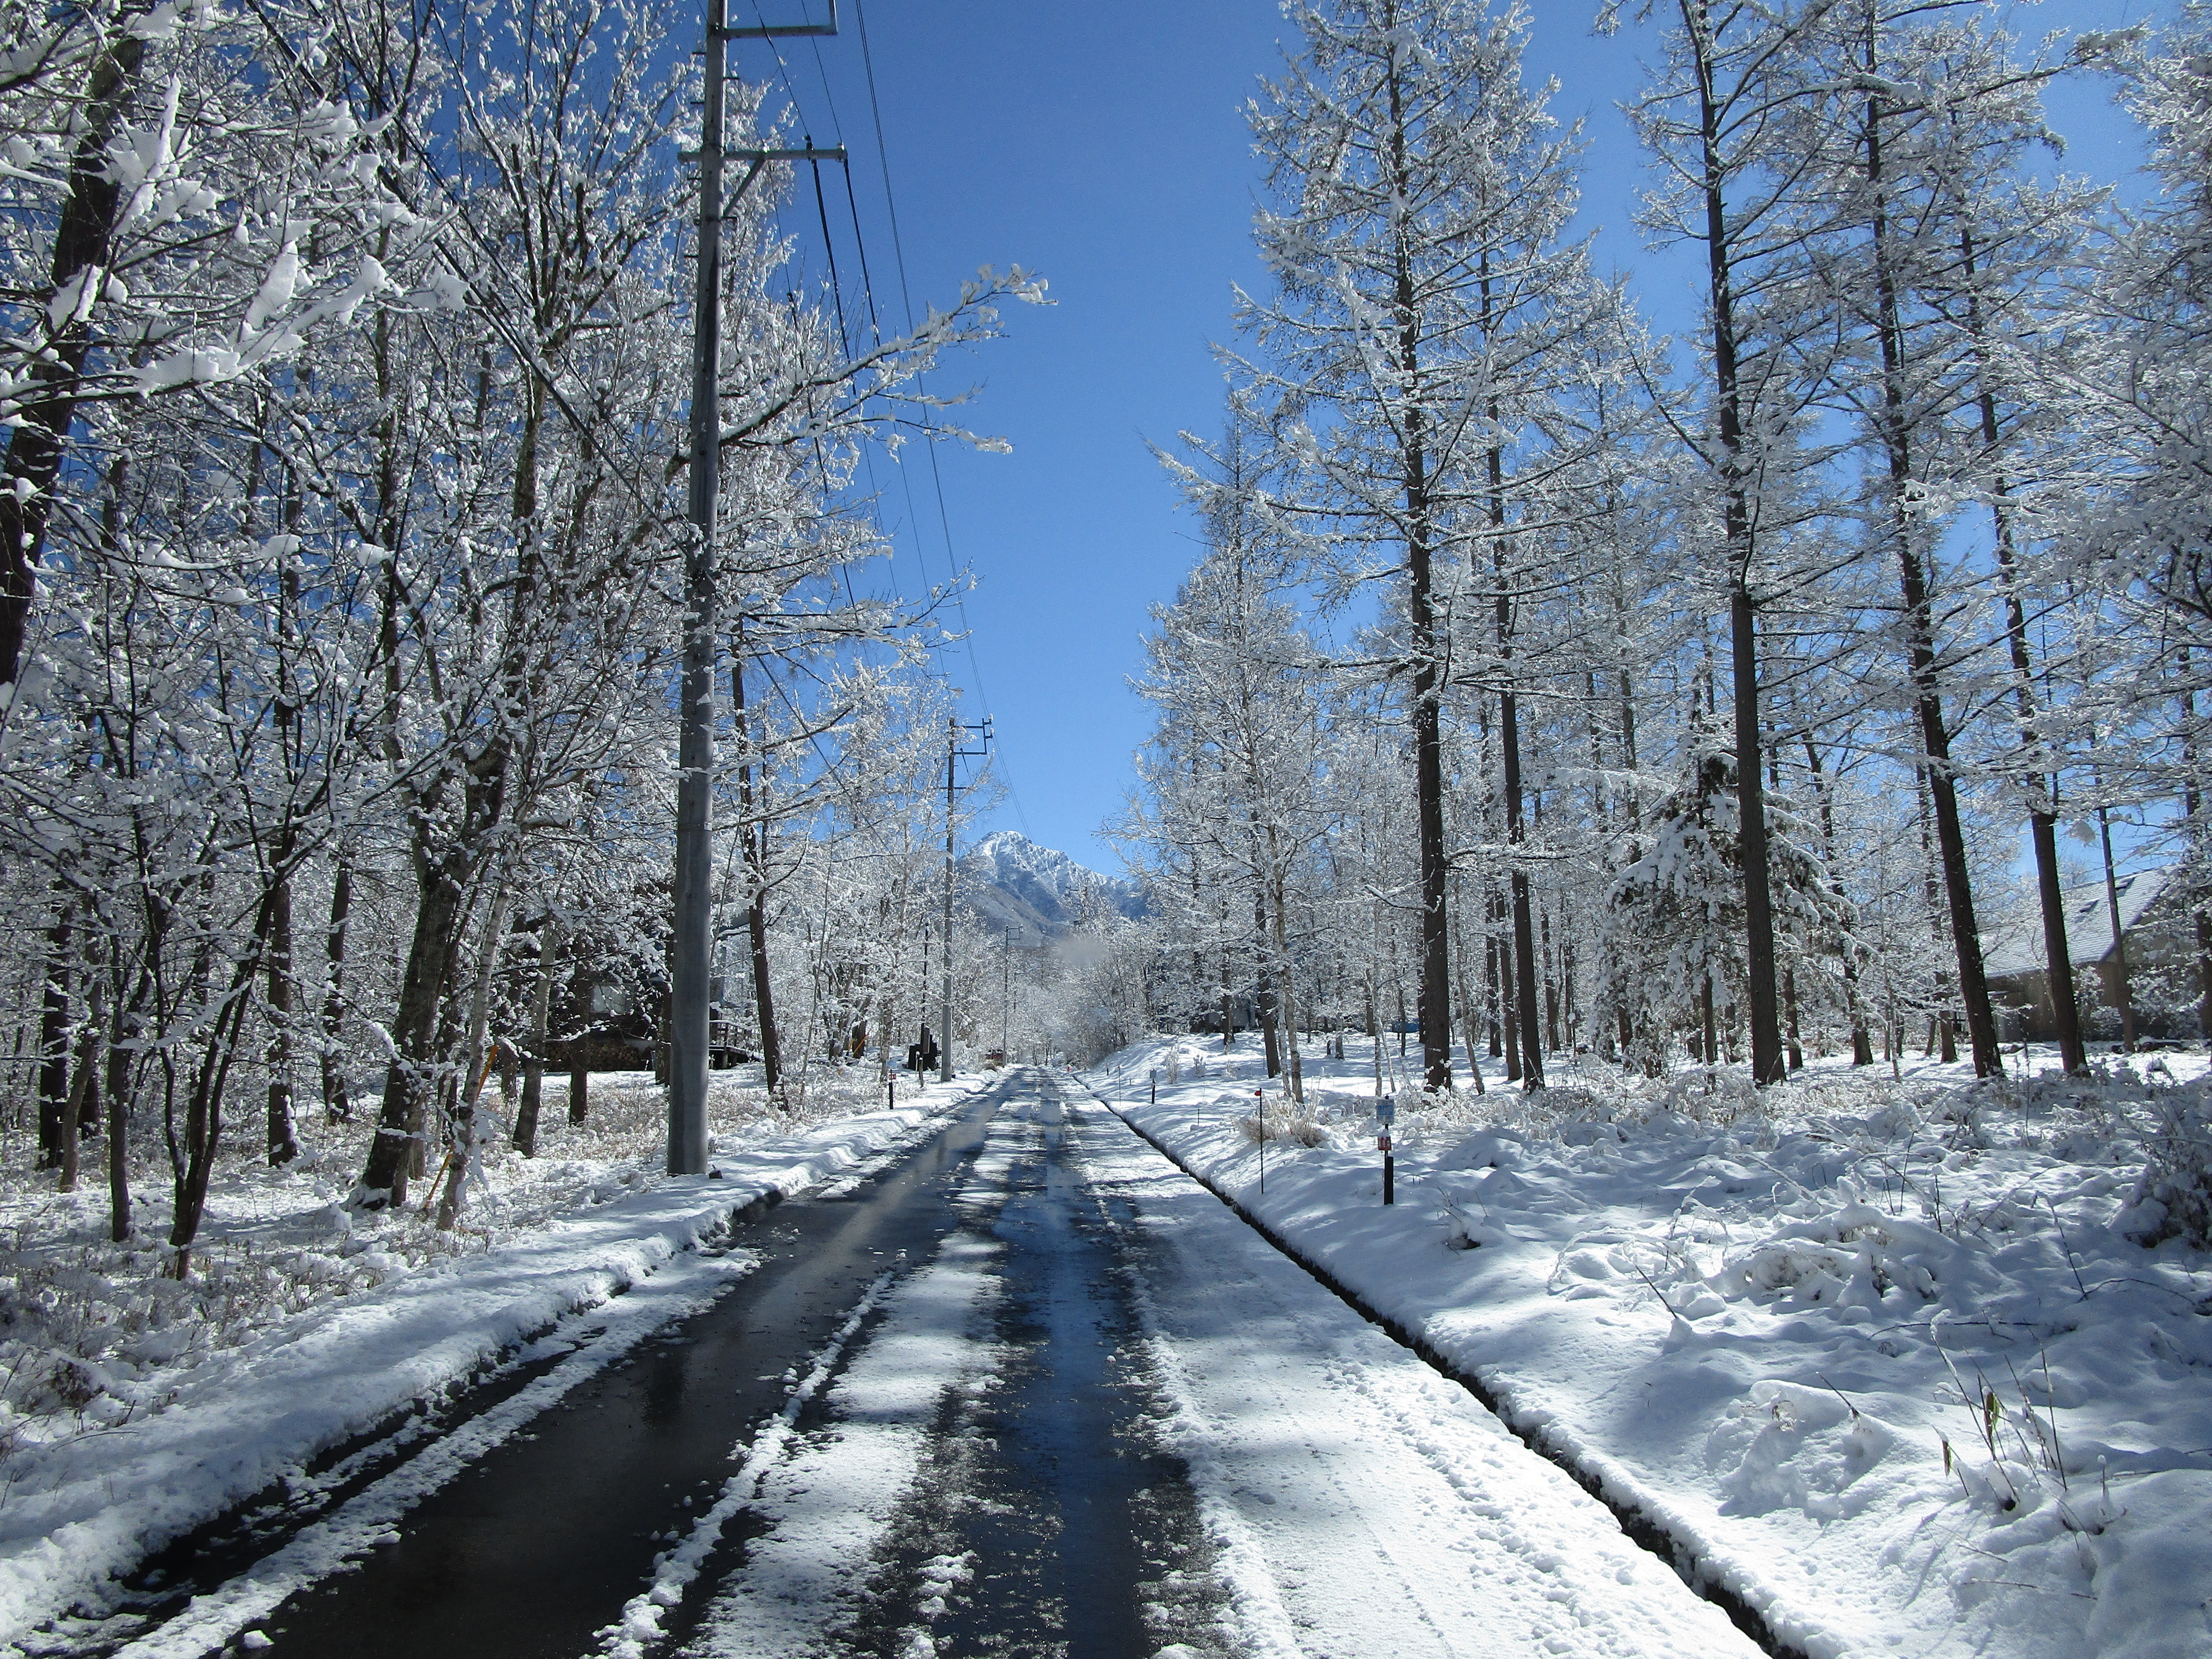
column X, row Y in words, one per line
column 1895, row 1381
column 80, row 1513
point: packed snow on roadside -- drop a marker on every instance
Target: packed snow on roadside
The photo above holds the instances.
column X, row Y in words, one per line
column 1888, row 1355
column 134, row 1406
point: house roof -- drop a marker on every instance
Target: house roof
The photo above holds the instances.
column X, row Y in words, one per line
column 2018, row 948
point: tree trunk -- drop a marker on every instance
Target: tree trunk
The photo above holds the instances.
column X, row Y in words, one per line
column 122, row 1081
column 413, row 1071
column 1271, row 1039
column 1374, row 1034
column 580, row 1093
column 85, row 1091
column 1433, row 992
column 1524, row 927
column 1950, row 834
column 1513, row 1010
column 446, row 859
column 1624, row 1020
column 1530, row 1044
column 1767, row 1059
column 434, row 1118
column 2043, row 821
column 1525, row 973
column 203, row 1107
column 36, row 447
column 1920, row 623
column 1286, row 991
column 53, row 1033
column 284, row 1142
column 337, row 1105
column 1492, row 992
column 2192, row 812
column 2122, row 995
column 2204, row 974
column 754, row 829
column 1766, row 1063
column 461, row 1157
column 1569, row 1013
column 534, row 1064
column 1470, row 1011
column 1551, row 990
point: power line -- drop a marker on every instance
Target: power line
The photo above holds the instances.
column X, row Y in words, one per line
column 837, row 291
column 837, row 287
column 937, row 478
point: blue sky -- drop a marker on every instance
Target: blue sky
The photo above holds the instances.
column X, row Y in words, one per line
column 1104, row 147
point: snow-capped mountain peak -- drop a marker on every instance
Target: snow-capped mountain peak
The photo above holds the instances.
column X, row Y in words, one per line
column 1038, row 892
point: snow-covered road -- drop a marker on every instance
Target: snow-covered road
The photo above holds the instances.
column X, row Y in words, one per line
column 1058, row 1401
column 1308, row 1485
column 1366, row 1504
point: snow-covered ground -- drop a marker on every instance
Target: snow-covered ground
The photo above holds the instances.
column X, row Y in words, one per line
column 1873, row 1350
column 134, row 1408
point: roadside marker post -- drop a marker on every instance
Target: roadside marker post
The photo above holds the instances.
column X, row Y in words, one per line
column 1385, row 1110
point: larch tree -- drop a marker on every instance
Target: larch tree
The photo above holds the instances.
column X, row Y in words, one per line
column 2140, row 376
column 1425, row 312
column 1732, row 90
column 1237, row 682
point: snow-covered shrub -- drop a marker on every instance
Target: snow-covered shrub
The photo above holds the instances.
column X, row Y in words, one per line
column 2173, row 1199
column 1300, row 1130
column 2101, row 1021
column 1569, row 1104
column 94, row 1333
column 1962, row 1111
column 1673, row 922
column 1851, row 1253
column 1710, row 1094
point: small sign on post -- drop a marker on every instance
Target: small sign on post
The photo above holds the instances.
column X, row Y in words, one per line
column 1385, row 1112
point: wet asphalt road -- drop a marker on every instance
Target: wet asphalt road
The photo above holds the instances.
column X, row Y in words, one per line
column 1081, row 1531
column 1045, row 1481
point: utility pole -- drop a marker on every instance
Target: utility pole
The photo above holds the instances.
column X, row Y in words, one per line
column 953, row 754
column 2122, row 992
column 689, row 968
column 1005, row 996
